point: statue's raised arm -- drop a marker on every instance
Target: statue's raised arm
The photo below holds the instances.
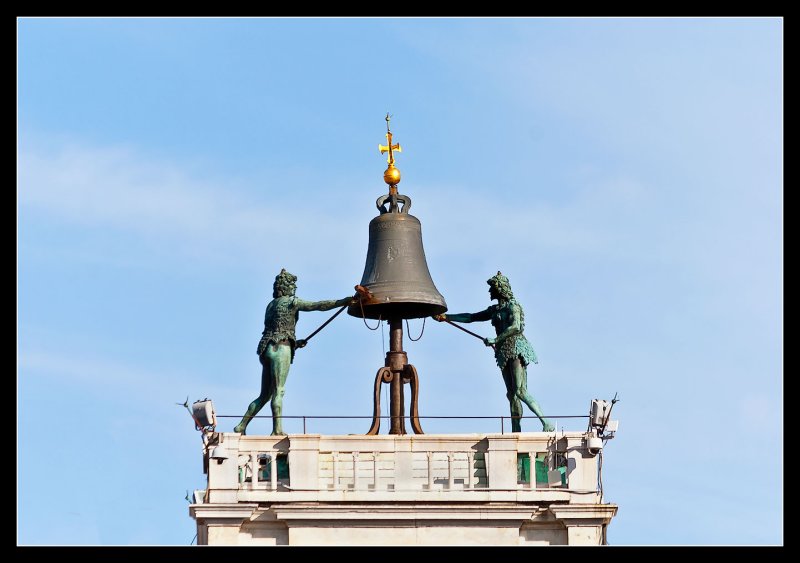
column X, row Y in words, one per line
column 484, row 315
column 327, row 305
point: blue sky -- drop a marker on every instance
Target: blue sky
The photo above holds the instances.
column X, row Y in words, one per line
column 626, row 175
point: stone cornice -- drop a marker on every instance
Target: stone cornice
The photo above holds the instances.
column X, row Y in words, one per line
column 410, row 512
column 590, row 513
column 219, row 511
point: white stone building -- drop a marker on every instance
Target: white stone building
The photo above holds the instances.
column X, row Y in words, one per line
column 530, row 488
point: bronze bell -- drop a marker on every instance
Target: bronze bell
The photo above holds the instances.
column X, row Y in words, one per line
column 396, row 285
column 396, row 272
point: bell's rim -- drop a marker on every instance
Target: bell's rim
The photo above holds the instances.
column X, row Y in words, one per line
column 398, row 310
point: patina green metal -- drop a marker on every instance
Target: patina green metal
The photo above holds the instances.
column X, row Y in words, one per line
column 512, row 350
column 277, row 346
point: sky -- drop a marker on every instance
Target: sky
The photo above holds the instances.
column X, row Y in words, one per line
column 625, row 174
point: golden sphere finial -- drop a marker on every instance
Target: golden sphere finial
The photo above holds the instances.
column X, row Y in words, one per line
column 391, row 176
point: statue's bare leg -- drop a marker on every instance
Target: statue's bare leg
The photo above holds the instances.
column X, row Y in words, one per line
column 511, row 395
column 266, row 394
column 280, row 356
column 520, row 375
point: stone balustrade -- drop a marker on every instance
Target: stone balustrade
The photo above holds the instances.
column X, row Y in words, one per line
column 295, row 489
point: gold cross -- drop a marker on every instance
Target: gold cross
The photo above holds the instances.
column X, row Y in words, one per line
column 390, row 147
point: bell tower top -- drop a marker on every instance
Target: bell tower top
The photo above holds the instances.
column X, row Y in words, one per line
column 392, row 175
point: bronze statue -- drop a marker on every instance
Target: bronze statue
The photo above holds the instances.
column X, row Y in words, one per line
column 512, row 350
column 277, row 345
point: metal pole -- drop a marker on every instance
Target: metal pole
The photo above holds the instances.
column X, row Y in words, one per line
column 396, row 386
column 336, row 314
column 459, row 327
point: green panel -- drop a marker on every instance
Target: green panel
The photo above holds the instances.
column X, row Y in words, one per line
column 541, row 470
column 283, row 469
column 523, row 468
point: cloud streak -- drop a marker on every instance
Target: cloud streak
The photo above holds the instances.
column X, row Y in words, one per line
column 99, row 187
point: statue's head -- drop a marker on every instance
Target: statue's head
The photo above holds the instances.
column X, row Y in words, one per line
column 499, row 287
column 285, row 284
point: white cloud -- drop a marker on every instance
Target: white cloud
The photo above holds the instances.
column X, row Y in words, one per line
column 168, row 207
column 120, row 188
column 173, row 206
